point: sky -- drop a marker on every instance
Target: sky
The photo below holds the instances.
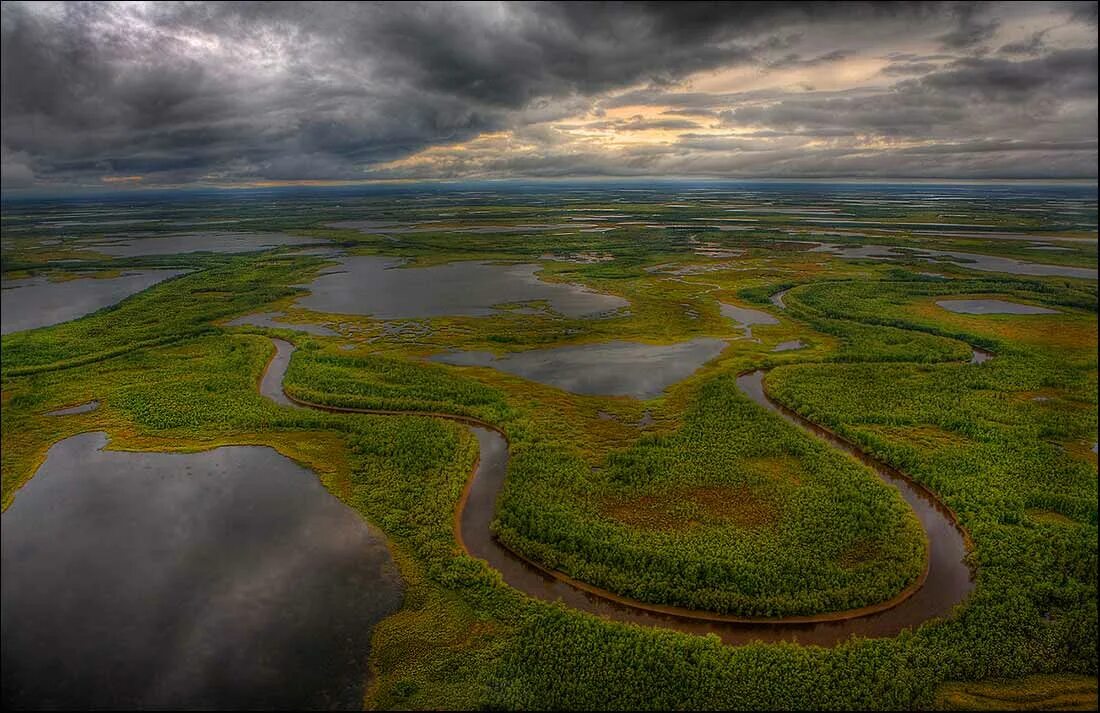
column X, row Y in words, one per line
column 127, row 95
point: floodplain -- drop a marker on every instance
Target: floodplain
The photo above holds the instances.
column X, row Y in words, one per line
column 684, row 445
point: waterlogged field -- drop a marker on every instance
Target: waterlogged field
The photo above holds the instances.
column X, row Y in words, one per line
column 932, row 333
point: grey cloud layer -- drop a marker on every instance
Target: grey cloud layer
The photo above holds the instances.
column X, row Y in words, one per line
column 229, row 92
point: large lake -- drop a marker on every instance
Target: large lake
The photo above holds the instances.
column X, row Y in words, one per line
column 37, row 302
column 225, row 579
column 378, row 287
column 606, row 369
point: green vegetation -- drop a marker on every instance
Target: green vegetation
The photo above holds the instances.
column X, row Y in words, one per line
column 698, row 498
column 181, row 308
column 716, row 516
column 386, row 383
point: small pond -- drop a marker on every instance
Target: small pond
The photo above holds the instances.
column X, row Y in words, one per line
column 86, row 407
column 615, row 368
column 745, row 317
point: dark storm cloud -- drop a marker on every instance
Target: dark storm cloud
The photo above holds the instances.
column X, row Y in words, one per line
column 1083, row 12
column 973, row 96
column 1069, row 74
column 230, row 92
column 973, row 27
column 796, row 60
column 1033, row 45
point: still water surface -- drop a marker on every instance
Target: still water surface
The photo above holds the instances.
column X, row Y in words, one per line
column 615, row 368
column 378, row 287
column 223, row 579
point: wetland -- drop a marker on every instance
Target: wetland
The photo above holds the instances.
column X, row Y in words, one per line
column 447, row 449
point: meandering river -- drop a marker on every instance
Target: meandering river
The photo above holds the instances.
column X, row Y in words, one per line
column 946, row 582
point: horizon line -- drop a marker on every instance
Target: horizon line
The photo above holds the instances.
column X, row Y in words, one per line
column 133, row 188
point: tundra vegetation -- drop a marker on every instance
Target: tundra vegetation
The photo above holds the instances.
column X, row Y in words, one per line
column 698, row 498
